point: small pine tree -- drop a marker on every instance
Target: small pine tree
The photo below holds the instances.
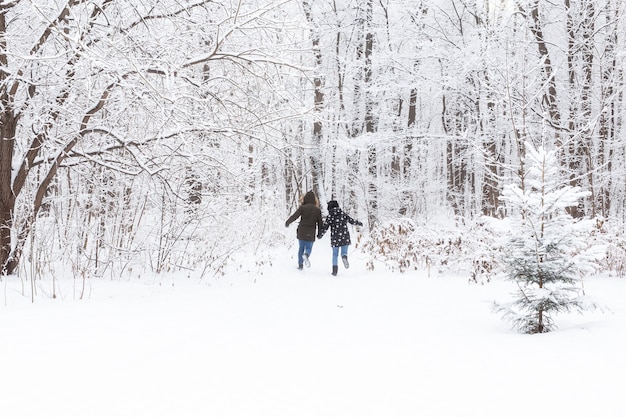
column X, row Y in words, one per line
column 546, row 251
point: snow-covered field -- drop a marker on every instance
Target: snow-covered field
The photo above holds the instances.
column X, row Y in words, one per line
column 297, row 344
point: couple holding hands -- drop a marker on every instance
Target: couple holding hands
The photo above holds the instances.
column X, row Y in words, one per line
column 311, row 218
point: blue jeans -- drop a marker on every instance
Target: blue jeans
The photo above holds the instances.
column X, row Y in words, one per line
column 304, row 246
column 344, row 251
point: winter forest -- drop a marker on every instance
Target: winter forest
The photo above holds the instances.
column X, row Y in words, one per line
column 171, row 135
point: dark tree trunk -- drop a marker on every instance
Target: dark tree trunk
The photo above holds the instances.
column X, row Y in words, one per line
column 8, row 124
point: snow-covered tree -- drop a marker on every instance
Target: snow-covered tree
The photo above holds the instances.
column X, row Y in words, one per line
column 546, row 251
column 96, row 96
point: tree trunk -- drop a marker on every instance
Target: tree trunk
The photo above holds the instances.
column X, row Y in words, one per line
column 550, row 95
column 318, row 106
column 370, row 122
column 580, row 27
column 611, row 76
column 7, row 198
column 8, row 123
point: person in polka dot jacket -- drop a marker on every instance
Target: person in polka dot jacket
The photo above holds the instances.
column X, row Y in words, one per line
column 338, row 221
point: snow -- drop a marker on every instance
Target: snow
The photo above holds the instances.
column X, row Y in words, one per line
column 303, row 343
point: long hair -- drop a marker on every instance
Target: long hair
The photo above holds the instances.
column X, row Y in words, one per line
column 317, row 201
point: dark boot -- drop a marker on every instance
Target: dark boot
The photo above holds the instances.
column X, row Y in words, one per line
column 335, row 268
column 346, row 264
column 300, row 267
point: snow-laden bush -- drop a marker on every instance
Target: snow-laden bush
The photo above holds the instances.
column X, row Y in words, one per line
column 403, row 245
column 615, row 260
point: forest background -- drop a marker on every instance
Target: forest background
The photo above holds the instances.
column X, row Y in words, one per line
column 171, row 135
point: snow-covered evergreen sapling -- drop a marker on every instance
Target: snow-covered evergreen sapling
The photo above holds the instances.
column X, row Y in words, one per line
column 545, row 251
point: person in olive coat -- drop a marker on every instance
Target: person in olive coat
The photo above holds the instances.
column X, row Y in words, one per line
column 338, row 221
column 310, row 218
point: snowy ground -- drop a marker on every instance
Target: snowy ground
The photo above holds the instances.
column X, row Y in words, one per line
column 299, row 344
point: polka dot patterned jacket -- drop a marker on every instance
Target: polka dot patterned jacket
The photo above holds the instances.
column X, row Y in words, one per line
column 338, row 221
